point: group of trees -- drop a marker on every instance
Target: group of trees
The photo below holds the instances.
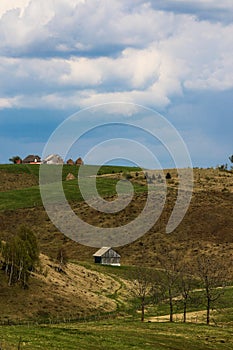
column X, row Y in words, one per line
column 178, row 279
column 225, row 166
column 15, row 159
column 20, row 255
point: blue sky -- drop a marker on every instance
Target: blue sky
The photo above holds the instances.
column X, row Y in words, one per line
column 175, row 57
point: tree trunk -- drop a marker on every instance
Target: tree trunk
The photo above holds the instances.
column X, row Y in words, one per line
column 208, row 311
column 143, row 310
column 11, row 273
column 20, row 270
column 185, row 310
column 171, row 305
column 19, row 343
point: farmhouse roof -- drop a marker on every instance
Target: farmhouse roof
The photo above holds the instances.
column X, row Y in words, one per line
column 53, row 159
column 70, row 161
column 79, row 161
column 31, row 158
column 103, row 251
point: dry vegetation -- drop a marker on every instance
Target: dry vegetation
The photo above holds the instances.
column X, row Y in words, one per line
column 11, row 181
column 208, row 225
column 75, row 292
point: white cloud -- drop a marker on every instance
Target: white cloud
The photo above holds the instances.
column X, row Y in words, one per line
column 6, row 5
column 9, row 102
column 155, row 55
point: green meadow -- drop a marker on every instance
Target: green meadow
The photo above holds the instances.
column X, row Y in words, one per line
column 117, row 334
column 30, row 196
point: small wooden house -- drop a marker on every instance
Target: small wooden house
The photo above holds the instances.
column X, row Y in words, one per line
column 107, row 256
column 70, row 162
column 79, row 161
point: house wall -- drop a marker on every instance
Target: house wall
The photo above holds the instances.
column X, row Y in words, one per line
column 111, row 258
column 97, row 259
column 110, row 261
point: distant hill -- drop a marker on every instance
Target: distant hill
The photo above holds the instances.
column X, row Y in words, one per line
column 19, row 176
column 209, row 218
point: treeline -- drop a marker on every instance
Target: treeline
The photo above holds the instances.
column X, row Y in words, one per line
column 20, row 255
column 179, row 279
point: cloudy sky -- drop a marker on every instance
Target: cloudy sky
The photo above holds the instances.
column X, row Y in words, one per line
column 60, row 56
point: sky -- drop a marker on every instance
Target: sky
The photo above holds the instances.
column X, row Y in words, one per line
column 173, row 57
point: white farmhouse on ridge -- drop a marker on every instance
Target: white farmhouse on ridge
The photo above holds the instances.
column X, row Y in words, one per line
column 53, row 159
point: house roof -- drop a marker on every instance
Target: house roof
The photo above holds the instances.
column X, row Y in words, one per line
column 79, row 161
column 53, row 159
column 104, row 250
column 31, row 158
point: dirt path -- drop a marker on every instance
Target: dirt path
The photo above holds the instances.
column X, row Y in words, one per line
column 194, row 317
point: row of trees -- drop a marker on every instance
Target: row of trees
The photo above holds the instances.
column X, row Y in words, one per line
column 177, row 278
column 225, row 166
column 20, row 255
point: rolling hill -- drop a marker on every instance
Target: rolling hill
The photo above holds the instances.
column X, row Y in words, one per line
column 208, row 225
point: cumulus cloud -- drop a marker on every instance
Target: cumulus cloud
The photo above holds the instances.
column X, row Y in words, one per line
column 6, row 5
column 92, row 26
column 77, row 53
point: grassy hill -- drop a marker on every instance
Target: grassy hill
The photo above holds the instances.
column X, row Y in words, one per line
column 209, row 219
column 73, row 293
column 85, row 289
column 18, row 176
column 208, row 222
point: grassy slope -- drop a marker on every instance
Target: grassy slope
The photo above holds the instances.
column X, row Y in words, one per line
column 33, row 169
column 30, row 197
column 14, row 192
column 122, row 333
column 117, row 335
column 208, row 224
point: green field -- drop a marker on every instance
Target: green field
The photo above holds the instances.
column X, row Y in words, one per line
column 30, row 196
column 33, row 169
column 117, row 334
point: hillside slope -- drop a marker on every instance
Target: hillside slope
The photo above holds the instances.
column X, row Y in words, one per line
column 75, row 292
column 209, row 220
column 208, row 225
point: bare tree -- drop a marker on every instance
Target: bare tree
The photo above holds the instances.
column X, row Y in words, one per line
column 186, row 285
column 171, row 264
column 62, row 259
column 213, row 274
column 142, row 286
